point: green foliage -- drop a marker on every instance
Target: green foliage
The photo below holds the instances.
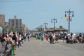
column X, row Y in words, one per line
column 4, row 29
column 9, row 29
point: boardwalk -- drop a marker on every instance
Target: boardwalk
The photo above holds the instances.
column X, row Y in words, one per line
column 43, row 48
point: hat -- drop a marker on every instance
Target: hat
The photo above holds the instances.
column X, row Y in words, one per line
column 68, row 34
column 74, row 34
column 11, row 34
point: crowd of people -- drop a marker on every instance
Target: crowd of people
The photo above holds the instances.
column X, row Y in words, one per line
column 74, row 38
column 54, row 37
column 9, row 42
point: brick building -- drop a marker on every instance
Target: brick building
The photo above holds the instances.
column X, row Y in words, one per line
column 2, row 20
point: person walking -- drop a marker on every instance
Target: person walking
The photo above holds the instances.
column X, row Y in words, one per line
column 14, row 38
column 66, row 37
column 80, row 38
column 42, row 37
column 29, row 35
column 46, row 37
column 83, row 38
column 54, row 38
column 51, row 39
column 74, row 38
column 10, row 39
column 20, row 39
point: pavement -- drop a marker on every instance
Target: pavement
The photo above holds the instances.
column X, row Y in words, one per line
column 44, row 48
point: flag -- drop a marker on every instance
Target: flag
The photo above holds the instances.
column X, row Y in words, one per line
column 69, row 20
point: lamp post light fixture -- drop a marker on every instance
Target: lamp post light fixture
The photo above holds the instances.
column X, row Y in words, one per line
column 69, row 14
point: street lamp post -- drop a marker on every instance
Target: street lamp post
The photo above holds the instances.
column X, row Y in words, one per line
column 54, row 21
column 70, row 14
column 41, row 27
column 45, row 24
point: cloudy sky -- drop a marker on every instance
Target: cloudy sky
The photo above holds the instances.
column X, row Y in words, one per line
column 37, row 12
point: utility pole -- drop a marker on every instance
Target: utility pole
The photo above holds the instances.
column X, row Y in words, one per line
column 69, row 14
column 54, row 21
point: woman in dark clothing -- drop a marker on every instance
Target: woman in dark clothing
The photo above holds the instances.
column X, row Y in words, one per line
column 2, row 38
column 67, row 40
column 83, row 38
column 51, row 40
column 80, row 38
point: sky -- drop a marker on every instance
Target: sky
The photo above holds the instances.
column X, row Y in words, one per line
column 37, row 12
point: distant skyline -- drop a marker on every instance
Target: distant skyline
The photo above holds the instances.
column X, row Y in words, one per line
column 37, row 12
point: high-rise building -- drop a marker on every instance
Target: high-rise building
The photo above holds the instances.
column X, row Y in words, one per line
column 2, row 20
column 16, row 24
